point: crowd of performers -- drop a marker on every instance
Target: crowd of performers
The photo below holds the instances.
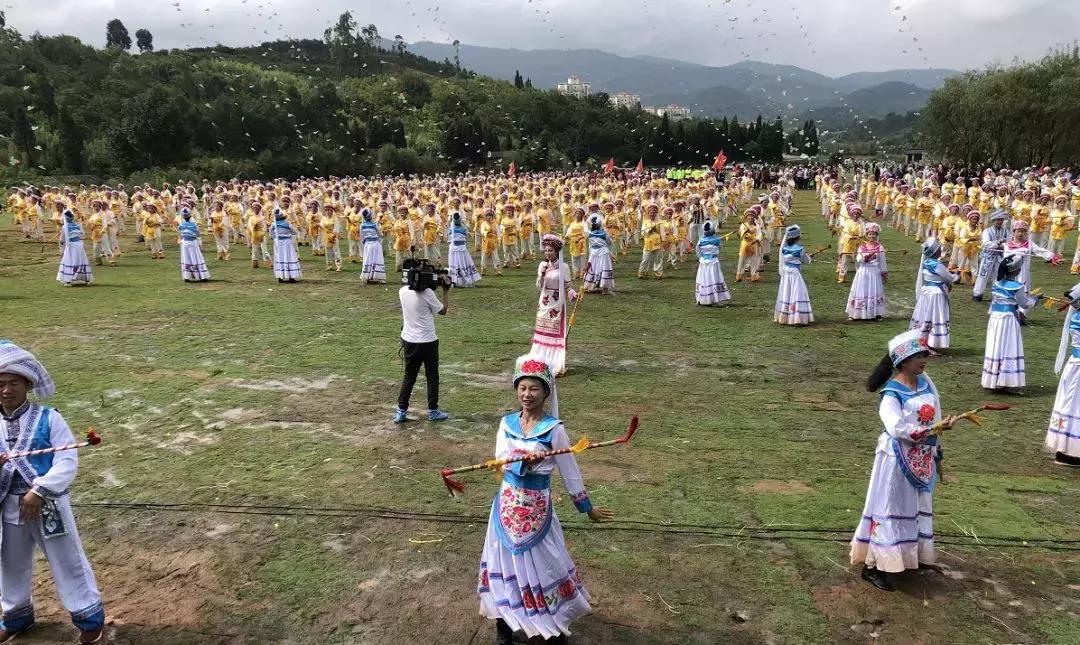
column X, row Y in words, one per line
column 480, row 224
column 982, row 232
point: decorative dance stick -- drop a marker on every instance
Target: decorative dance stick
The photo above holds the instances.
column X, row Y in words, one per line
column 900, row 251
column 971, row 415
column 820, row 250
column 92, row 439
column 577, row 303
column 582, row 445
column 1061, row 303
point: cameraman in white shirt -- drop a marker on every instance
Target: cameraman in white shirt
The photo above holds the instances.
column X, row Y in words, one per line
column 420, row 345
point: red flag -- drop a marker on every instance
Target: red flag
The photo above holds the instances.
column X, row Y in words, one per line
column 512, row 170
column 641, row 165
column 721, row 159
column 609, row 167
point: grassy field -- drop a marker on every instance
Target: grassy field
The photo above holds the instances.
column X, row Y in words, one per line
column 736, row 499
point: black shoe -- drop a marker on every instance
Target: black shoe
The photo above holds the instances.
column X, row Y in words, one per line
column 1063, row 459
column 879, row 579
column 503, row 634
column 977, row 298
column 281, row 280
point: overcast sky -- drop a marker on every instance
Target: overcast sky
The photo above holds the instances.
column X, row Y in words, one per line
column 829, row 36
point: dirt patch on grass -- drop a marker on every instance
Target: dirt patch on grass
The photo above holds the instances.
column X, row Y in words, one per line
column 293, row 385
column 789, row 487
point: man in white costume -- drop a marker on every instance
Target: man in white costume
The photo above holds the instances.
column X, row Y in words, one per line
column 36, row 508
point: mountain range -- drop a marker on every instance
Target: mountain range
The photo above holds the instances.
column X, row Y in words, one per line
column 745, row 89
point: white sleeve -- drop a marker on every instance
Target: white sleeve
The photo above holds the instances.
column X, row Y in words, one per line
column 1045, row 254
column 569, row 471
column 892, row 417
column 943, row 272
column 432, row 301
column 882, row 266
column 65, row 463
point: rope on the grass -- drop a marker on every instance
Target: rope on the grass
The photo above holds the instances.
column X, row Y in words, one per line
column 788, row 532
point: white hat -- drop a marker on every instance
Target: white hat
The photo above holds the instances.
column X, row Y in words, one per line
column 16, row 360
column 906, row 345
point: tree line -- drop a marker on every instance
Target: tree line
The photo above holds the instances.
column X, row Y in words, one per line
column 351, row 103
column 1022, row 115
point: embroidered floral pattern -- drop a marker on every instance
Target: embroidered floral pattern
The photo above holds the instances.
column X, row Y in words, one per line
column 567, row 588
column 920, row 461
column 926, row 413
column 522, row 512
column 533, row 367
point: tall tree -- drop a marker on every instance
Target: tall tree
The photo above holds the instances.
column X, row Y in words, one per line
column 370, row 36
column 518, row 81
column 72, row 143
column 23, row 134
column 144, row 40
column 457, row 54
column 813, row 145
column 399, row 44
column 116, row 35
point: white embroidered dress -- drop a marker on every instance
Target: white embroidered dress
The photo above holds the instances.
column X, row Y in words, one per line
column 286, row 258
column 549, row 334
column 1063, row 433
column 1003, row 358
column 74, row 265
column 866, row 300
column 462, row 268
column 709, row 285
column 792, row 299
column 896, row 531
column 931, row 315
column 526, row 575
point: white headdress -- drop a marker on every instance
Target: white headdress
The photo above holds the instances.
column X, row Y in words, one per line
column 16, row 360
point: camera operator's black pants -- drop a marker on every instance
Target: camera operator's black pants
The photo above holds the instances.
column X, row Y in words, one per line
column 415, row 355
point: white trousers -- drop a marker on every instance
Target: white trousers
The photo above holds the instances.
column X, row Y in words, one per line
column 70, row 570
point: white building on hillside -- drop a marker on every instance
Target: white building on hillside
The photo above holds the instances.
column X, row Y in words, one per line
column 626, row 100
column 574, row 87
column 673, row 112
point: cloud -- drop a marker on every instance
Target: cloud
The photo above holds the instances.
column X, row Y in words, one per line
column 830, row 36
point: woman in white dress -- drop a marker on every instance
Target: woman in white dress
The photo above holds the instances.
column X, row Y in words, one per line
column 709, row 286
column 553, row 281
column 192, row 265
column 74, row 264
column 373, row 268
column 896, row 530
column 1023, row 247
column 1063, row 433
column 792, row 299
column 462, row 268
column 1003, row 358
column 286, row 259
column 600, row 274
column 866, row 301
column 931, row 315
column 527, row 581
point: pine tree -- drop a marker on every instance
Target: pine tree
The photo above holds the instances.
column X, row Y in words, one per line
column 518, row 82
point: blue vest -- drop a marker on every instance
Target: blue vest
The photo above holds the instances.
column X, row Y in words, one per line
column 189, row 232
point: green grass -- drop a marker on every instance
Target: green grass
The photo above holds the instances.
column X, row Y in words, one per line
column 244, row 391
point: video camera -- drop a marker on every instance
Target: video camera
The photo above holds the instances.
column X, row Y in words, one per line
column 421, row 274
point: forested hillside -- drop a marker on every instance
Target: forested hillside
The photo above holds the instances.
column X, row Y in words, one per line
column 347, row 104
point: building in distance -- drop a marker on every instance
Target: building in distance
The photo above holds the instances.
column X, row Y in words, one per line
column 626, row 100
column 672, row 112
column 574, row 87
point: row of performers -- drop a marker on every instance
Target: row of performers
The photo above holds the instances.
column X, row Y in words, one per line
column 958, row 225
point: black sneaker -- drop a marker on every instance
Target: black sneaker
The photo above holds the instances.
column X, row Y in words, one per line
column 879, row 579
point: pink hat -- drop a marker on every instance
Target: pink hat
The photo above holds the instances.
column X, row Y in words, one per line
column 553, row 241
